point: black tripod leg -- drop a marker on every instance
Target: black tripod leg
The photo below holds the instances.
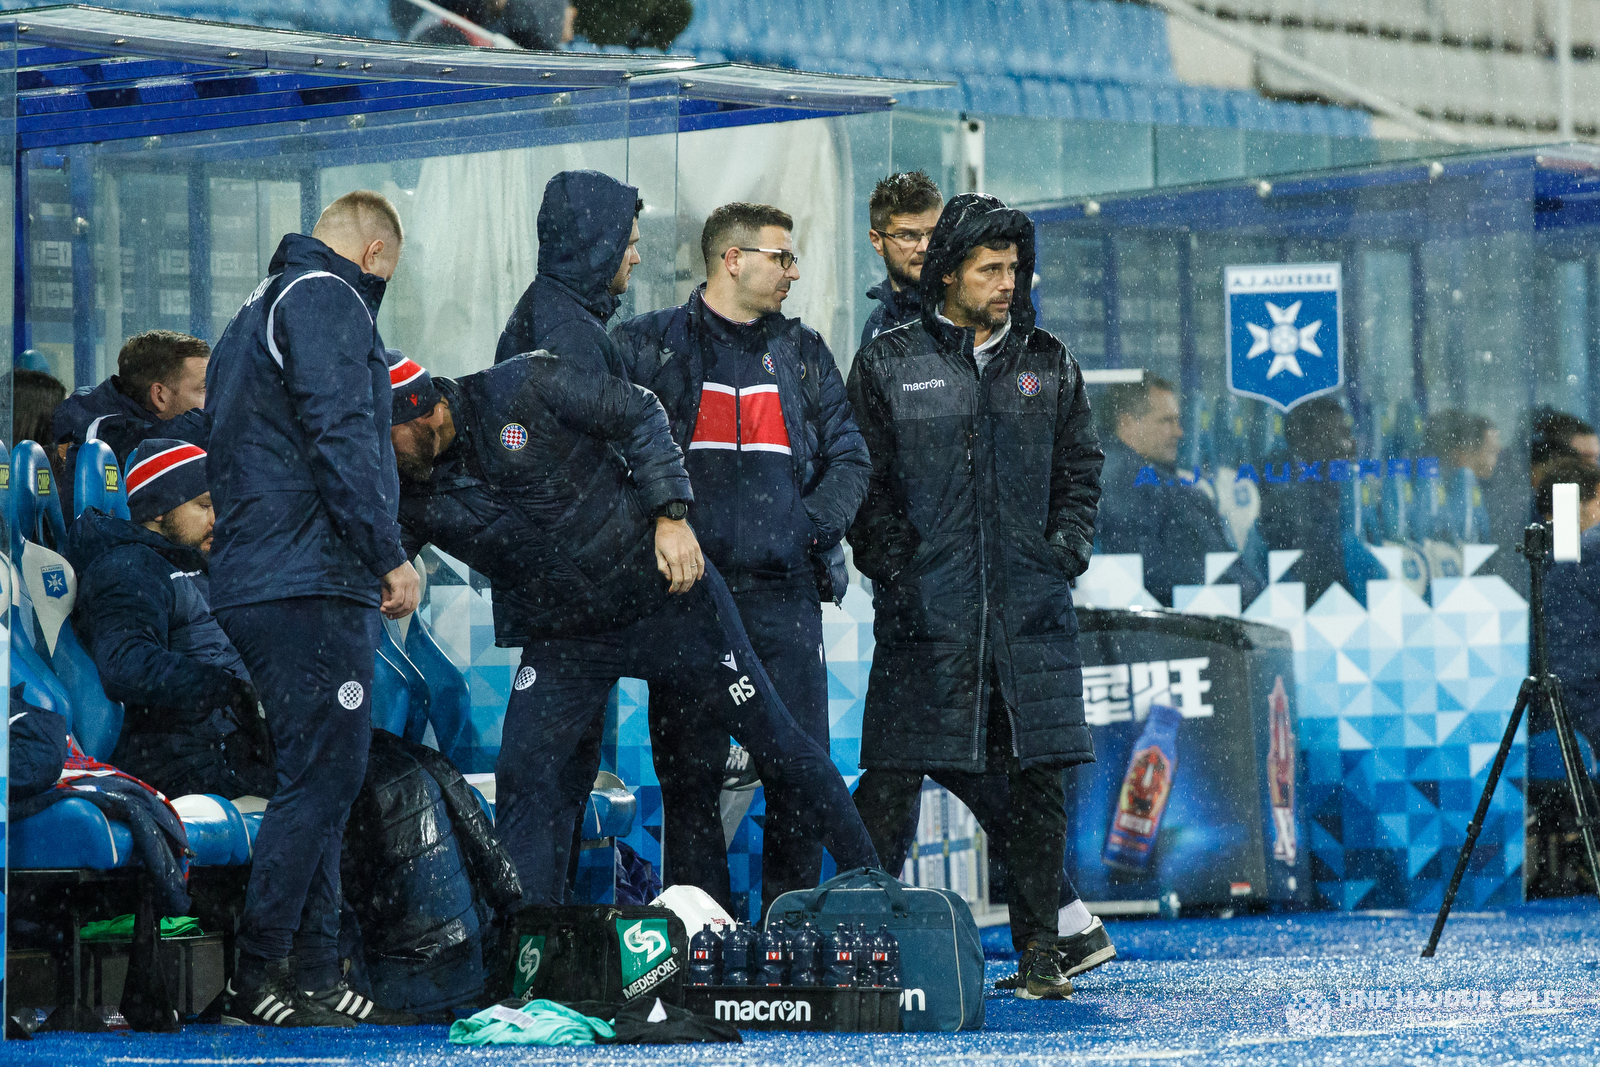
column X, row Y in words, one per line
column 1524, row 696
column 1583, row 797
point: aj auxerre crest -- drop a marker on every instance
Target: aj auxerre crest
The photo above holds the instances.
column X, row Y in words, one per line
column 1284, row 339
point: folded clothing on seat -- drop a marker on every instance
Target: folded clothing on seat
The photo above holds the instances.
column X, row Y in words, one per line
column 538, row 1022
column 121, row 928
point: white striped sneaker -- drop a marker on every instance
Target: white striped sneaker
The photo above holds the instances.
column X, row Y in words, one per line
column 275, row 1002
column 344, row 1001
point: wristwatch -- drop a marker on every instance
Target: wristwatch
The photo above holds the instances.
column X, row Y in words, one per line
column 676, row 510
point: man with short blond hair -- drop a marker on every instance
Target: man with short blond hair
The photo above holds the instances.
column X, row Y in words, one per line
column 307, row 552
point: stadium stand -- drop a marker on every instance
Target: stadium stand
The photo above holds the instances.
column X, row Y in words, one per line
column 1058, row 59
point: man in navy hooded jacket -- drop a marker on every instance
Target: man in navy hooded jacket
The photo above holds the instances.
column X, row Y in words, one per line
column 778, row 469
column 306, row 551
column 588, row 246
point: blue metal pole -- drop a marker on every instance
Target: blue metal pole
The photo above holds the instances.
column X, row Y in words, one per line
column 1419, row 330
column 21, row 328
column 199, row 252
column 1109, row 292
column 80, row 179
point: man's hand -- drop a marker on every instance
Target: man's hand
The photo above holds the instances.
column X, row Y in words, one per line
column 401, row 591
column 678, row 554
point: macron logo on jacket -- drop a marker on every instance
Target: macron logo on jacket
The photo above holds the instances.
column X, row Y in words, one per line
column 917, row 387
column 750, row 419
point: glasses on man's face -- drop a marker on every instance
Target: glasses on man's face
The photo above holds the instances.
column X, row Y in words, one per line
column 906, row 238
column 786, row 258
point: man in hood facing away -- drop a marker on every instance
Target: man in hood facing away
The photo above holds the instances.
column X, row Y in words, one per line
column 979, row 513
column 588, row 246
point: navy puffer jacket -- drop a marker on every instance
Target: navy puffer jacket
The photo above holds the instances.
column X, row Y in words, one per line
column 302, row 471
column 549, row 490
column 585, row 221
column 142, row 614
column 980, row 512
column 666, row 352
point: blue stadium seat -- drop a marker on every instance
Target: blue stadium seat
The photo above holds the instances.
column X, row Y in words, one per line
column 449, row 698
column 98, row 481
column 70, row 685
column 391, row 691
column 69, row 834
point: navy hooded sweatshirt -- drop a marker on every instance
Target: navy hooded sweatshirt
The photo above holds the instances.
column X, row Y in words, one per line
column 584, row 225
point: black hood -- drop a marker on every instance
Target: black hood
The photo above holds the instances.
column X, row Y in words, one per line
column 585, row 221
column 969, row 220
column 94, row 533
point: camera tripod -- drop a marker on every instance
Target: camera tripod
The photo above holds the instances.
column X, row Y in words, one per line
column 1540, row 689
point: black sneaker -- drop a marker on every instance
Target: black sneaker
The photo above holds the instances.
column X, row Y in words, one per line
column 343, row 1000
column 1039, row 973
column 1011, row 982
column 1087, row 950
column 275, row 1002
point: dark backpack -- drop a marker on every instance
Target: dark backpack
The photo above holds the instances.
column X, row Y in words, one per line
column 941, row 956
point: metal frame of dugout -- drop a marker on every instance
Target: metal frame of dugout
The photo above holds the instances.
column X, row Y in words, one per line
column 87, row 92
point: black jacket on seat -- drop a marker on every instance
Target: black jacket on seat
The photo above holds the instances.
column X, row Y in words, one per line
column 549, row 491
column 980, row 512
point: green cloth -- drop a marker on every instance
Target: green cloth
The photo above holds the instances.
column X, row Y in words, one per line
column 538, row 1022
column 121, row 928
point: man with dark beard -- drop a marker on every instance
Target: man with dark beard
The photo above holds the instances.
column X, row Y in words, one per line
column 193, row 724
column 903, row 209
column 980, row 512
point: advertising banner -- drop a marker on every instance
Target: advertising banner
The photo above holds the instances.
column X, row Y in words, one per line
column 1194, row 788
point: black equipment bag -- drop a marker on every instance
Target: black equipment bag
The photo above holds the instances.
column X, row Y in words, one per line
column 609, row 952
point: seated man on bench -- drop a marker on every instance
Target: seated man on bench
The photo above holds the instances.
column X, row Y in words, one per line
column 193, row 724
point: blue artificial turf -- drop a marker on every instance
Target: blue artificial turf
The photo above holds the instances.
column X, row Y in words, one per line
column 1518, row 986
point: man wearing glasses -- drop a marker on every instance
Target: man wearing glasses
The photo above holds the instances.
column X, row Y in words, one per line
column 778, row 470
column 903, row 209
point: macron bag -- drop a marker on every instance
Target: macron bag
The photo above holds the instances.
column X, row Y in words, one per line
column 941, row 957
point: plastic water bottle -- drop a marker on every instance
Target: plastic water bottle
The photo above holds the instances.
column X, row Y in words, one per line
column 861, row 947
column 805, row 956
column 736, row 953
column 885, row 959
column 705, row 957
column 839, row 961
column 774, row 961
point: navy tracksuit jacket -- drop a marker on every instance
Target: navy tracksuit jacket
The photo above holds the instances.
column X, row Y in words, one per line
column 304, row 483
column 142, row 614
column 530, row 495
column 778, row 468
column 895, row 308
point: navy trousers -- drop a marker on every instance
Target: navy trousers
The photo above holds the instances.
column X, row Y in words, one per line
column 311, row 659
column 689, row 751
column 550, row 744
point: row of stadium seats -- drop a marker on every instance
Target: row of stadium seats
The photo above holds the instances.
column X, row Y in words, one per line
column 1091, row 40
column 418, row 693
